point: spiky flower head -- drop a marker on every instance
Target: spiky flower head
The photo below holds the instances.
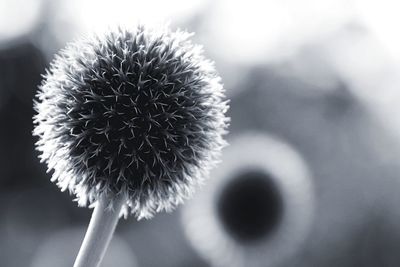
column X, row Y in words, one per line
column 138, row 113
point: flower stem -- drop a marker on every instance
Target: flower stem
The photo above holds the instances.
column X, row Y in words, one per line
column 99, row 233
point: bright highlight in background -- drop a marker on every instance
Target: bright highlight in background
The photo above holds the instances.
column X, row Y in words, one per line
column 382, row 17
column 18, row 17
column 97, row 15
column 256, row 31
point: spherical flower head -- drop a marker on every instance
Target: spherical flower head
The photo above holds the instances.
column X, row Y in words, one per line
column 133, row 113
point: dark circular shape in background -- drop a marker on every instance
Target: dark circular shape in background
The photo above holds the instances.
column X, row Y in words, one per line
column 250, row 207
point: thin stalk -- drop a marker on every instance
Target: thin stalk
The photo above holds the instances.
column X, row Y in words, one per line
column 99, row 233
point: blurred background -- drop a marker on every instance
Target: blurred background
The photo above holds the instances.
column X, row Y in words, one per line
column 312, row 175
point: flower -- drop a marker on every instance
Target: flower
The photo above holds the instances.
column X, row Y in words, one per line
column 139, row 113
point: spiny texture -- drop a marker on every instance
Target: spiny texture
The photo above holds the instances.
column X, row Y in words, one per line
column 139, row 113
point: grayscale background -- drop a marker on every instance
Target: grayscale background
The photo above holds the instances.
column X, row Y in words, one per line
column 319, row 77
